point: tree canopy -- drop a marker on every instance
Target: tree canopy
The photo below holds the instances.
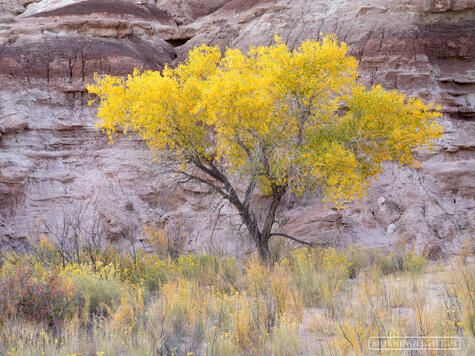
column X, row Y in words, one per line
column 280, row 120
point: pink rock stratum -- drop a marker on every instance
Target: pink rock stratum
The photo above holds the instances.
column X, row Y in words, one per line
column 54, row 164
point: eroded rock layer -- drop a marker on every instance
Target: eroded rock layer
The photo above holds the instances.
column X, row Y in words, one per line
column 55, row 166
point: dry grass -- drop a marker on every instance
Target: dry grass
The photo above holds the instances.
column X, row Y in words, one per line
column 311, row 302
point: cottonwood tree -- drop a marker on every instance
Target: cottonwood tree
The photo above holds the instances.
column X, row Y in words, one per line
column 271, row 120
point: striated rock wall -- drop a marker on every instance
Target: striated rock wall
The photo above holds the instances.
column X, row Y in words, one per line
column 54, row 163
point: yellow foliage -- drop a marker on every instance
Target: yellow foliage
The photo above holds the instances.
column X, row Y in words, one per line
column 297, row 119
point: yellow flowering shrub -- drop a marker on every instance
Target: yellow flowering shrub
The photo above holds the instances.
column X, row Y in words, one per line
column 97, row 289
column 301, row 305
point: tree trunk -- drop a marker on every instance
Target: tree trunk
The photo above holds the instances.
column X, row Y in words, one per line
column 261, row 239
column 264, row 236
column 263, row 249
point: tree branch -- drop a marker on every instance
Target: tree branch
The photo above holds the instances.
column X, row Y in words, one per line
column 243, row 146
column 248, row 195
column 247, row 216
column 214, row 173
column 311, row 244
column 277, row 193
column 191, row 177
column 368, row 140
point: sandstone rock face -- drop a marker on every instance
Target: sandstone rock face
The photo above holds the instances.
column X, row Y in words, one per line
column 54, row 164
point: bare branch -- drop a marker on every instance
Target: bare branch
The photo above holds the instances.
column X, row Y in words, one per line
column 191, row 177
column 344, row 335
column 311, row 244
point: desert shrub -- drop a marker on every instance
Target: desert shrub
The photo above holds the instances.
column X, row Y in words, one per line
column 140, row 269
column 302, row 264
column 162, row 243
column 97, row 290
column 471, row 324
column 152, row 272
column 360, row 259
column 216, row 305
column 50, row 254
column 222, row 272
column 222, row 344
column 463, row 282
column 177, row 318
column 46, row 252
column 289, row 300
column 128, row 317
column 318, row 275
column 414, row 263
column 36, row 296
column 259, row 327
column 221, row 308
column 387, row 263
column 391, row 263
column 253, row 318
column 284, row 339
column 400, row 261
column 278, row 248
column 259, row 306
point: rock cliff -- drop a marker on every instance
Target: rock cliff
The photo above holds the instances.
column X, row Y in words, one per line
column 54, row 165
